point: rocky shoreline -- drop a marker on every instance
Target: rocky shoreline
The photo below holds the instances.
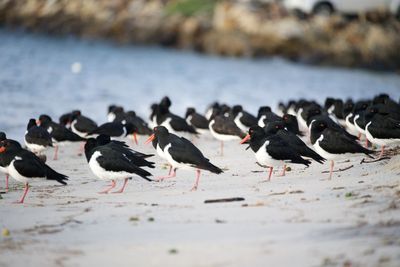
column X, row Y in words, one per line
column 229, row 28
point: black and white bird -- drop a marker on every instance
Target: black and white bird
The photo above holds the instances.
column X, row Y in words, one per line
column 266, row 115
column 172, row 122
column 332, row 144
column 3, row 166
column 116, row 130
column 224, row 129
column 293, row 140
column 198, row 121
column 115, row 113
column 60, row 135
column 182, row 154
column 272, row 151
column 37, row 139
column 141, row 126
column 291, row 124
column 110, row 162
column 26, row 167
column 381, row 128
column 243, row 119
column 82, row 125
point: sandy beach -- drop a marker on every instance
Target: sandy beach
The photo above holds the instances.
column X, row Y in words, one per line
column 301, row 219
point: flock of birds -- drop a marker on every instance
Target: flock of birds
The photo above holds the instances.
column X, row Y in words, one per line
column 298, row 133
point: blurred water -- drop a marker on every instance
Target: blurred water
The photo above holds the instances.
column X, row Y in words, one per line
column 50, row 75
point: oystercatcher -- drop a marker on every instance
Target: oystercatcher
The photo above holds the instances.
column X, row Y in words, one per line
column 224, row 129
column 293, row 140
column 272, row 151
column 141, row 126
column 198, row 121
column 331, row 143
column 60, row 135
column 172, row 122
column 115, row 113
column 266, row 115
column 358, row 107
column 116, row 130
column 110, row 163
column 3, row 168
column 181, row 153
column 37, row 139
column 211, row 109
column 381, row 129
column 291, row 124
column 24, row 166
column 82, row 125
column 243, row 119
column 66, row 118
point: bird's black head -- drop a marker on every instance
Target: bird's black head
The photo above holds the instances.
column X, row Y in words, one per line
column 273, row 127
column 381, row 99
column 371, row 111
column 256, row 132
column 90, row 145
column 313, row 110
column 165, row 102
column 190, row 111
column 111, row 107
column 318, row 126
column 329, row 101
column 3, row 136
column 236, row 110
column 131, row 114
column 130, row 128
column 9, row 145
column 31, row 123
column 360, row 105
column 44, row 120
column 103, row 139
column 347, row 107
column 225, row 109
column 263, row 110
column 160, row 131
column 75, row 114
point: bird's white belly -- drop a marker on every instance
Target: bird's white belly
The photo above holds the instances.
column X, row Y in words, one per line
column 34, row 147
column 239, row 124
column 351, row 129
column 378, row 141
column 222, row 137
column 263, row 158
column 17, row 176
column 103, row 174
column 174, row 163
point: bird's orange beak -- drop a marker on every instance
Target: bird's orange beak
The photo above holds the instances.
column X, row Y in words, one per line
column 135, row 139
column 244, row 140
column 2, row 149
column 151, row 138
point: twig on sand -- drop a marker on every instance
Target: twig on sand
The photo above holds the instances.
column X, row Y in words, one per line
column 340, row 170
column 220, row 200
column 375, row 160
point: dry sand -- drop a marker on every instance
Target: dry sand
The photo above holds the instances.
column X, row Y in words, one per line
column 302, row 219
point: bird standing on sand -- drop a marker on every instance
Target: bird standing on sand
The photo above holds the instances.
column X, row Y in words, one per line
column 198, row 121
column 24, row 166
column 243, row 119
column 272, row 151
column 331, row 143
column 224, row 129
column 37, row 139
column 181, row 153
column 82, row 125
column 60, row 134
column 112, row 162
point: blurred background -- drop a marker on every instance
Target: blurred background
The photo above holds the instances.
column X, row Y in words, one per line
column 59, row 55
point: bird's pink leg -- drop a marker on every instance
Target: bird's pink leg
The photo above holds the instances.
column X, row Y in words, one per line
column 382, row 150
column 270, row 173
column 331, row 170
column 113, row 184
column 222, row 148
column 24, row 195
column 170, row 169
column 55, row 152
column 366, row 143
column 7, row 178
column 123, row 187
column 284, row 170
column 172, row 175
column 196, row 184
column 81, row 148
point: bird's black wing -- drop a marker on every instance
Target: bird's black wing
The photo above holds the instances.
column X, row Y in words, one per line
column 85, row 125
column 248, row 119
column 179, row 124
column 199, row 121
column 38, row 135
column 336, row 142
column 227, row 126
column 280, row 150
column 110, row 129
column 29, row 165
